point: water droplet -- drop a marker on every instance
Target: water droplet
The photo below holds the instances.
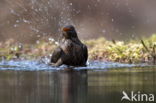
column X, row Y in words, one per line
column 17, row 21
column 133, row 35
column 38, row 36
column 37, row 42
column 112, row 20
column 104, row 31
column 51, row 39
column 57, row 43
column 98, row 0
column 15, row 25
column 71, row 4
column 26, row 21
column 34, row 29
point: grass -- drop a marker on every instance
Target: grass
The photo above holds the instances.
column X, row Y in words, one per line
column 138, row 51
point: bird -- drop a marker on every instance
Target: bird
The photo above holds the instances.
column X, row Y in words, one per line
column 71, row 51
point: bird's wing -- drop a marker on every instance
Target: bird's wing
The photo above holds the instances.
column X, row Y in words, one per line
column 56, row 55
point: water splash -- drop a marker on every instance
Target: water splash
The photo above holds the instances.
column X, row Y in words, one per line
column 32, row 18
column 26, row 65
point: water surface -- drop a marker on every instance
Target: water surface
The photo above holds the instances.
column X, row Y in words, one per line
column 102, row 82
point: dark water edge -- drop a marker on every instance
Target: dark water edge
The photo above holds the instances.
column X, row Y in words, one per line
column 77, row 86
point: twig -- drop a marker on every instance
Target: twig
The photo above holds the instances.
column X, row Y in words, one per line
column 143, row 43
column 154, row 54
column 114, row 42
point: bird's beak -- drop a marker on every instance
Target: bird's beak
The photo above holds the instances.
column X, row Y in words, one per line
column 66, row 29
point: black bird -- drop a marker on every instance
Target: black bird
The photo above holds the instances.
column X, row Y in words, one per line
column 71, row 51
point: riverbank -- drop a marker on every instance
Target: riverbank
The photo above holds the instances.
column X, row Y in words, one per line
column 133, row 51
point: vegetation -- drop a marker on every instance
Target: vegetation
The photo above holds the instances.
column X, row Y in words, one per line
column 137, row 51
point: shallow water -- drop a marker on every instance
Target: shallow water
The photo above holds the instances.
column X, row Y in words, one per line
column 26, row 65
column 99, row 82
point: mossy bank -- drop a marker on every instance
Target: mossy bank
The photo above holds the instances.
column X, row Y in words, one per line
column 132, row 51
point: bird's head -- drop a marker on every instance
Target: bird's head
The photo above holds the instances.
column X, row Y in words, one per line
column 69, row 32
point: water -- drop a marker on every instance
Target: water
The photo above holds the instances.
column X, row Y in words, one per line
column 100, row 82
column 26, row 65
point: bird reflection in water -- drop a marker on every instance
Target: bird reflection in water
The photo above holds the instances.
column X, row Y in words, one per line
column 65, row 86
column 73, row 86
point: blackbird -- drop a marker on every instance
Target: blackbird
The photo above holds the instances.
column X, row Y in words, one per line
column 71, row 51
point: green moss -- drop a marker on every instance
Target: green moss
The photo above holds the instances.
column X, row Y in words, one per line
column 119, row 51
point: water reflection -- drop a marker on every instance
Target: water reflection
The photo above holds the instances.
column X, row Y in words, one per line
column 67, row 86
column 43, row 87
